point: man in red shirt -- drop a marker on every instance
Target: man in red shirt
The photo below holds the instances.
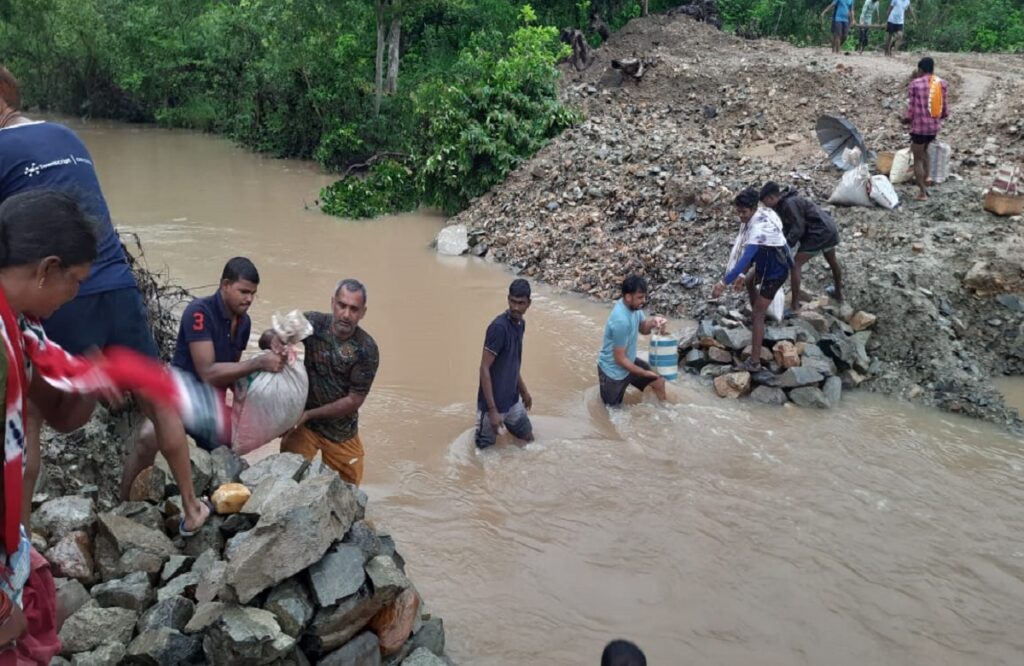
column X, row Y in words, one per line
column 924, row 115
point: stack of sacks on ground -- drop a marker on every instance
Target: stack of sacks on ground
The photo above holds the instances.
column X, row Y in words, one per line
column 287, row 572
column 808, row 359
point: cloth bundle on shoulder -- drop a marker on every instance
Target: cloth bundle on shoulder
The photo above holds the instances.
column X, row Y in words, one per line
column 267, row 404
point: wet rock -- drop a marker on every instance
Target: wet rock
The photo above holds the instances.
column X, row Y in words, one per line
column 243, row 635
column 719, row 355
column 212, row 584
column 143, row 513
column 162, row 647
column 833, row 391
column 845, row 351
column 785, row 354
column 394, row 623
column 291, row 535
column 862, row 320
column 209, row 537
column 123, row 546
column 58, row 517
column 823, row 365
column 363, row 536
column 765, row 378
column 453, row 240
column 714, row 370
column 104, row 655
column 149, row 486
column 766, row 354
column 227, row 466
column 71, row 595
column 265, row 494
column 291, row 605
column 733, row 338
column 281, row 466
column 337, row 575
column 173, row 613
column 695, row 359
column 363, row 650
column 176, row 564
column 72, row 557
column 430, row 636
column 800, row 376
column 809, row 396
column 237, row 522
column 332, row 627
column 133, row 592
column 773, row 334
column 733, row 385
column 183, row 586
column 769, row 396
column 423, row 657
column 93, row 626
column 817, row 321
column 851, row 378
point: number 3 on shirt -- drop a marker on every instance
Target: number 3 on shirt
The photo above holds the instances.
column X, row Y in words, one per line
column 198, row 321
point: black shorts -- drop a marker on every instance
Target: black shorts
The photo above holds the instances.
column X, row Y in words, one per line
column 614, row 390
column 116, row 317
column 893, row 28
column 768, row 288
column 862, row 37
column 921, row 139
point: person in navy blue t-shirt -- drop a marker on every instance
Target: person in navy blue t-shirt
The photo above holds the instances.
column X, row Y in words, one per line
column 502, row 398
column 108, row 309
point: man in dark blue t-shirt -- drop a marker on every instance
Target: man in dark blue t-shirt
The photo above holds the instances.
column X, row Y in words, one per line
column 108, row 309
column 502, row 398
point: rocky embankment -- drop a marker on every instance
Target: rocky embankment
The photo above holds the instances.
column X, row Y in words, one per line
column 644, row 184
column 287, row 571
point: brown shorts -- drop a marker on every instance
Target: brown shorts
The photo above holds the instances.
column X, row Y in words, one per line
column 346, row 458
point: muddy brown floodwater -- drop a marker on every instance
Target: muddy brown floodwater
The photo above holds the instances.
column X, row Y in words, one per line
column 709, row 532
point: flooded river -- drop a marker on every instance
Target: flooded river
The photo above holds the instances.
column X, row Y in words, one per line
column 709, row 532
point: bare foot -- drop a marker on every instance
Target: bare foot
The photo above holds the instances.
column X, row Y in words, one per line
column 921, row 197
column 196, row 516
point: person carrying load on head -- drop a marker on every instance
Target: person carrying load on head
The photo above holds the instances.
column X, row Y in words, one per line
column 809, row 231
column 763, row 266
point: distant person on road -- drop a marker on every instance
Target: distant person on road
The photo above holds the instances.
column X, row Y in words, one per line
column 108, row 309
column 926, row 109
column 213, row 333
column 808, row 226
column 842, row 12
column 503, row 399
column 762, row 266
column 622, row 653
column 898, row 10
column 868, row 15
column 618, row 367
column 341, row 361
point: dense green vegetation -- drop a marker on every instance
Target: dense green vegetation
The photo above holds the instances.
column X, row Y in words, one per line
column 440, row 98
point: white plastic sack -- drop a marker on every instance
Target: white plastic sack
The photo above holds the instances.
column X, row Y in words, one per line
column 853, row 189
column 266, row 404
column 777, row 309
column 938, row 159
column 883, row 193
column 902, row 167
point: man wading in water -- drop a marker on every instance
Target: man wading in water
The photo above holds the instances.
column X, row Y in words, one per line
column 763, row 247
column 618, row 368
column 502, row 398
column 341, row 361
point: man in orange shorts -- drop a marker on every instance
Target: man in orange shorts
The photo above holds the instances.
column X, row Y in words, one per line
column 341, row 361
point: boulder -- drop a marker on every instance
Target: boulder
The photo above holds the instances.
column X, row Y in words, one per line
column 162, row 647
column 862, row 320
column 72, row 557
column 149, row 486
column 766, row 354
column 363, row 650
column 176, row 564
column 430, row 636
column 208, row 537
column 765, row 378
column 387, row 577
column 125, row 534
column 212, row 584
column 423, row 657
column 799, row 376
column 810, row 351
column 733, row 385
column 242, row 635
column 104, row 655
column 266, row 492
column 174, row 613
column 773, row 334
column 71, row 595
column 227, row 466
column 363, row 536
column 719, row 355
column 237, row 522
column 179, row 586
column 337, row 575
column 785, row 354
column 281, row 466
column 695, row 359
column 93, row 626
column 825, row 366
column 817, row 321
column 733, row 338
column 59, row 517
column 394, row 623
column 851, row 378
column 715, row 370
column 833, row 390
column 847, row 352
column 809, row 396
column 133, row 592
column 453, row 240
column 290, row 604
column 769, row 396
column 806, row 331
column 333, row 627
column 202, row 465
column 230, row 498
column 291, row 535
column 143, row 513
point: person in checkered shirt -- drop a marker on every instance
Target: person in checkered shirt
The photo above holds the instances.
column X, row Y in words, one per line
column 923, row 126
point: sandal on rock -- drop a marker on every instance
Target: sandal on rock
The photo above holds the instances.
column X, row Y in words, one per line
column 184, row 531
column 690, row 281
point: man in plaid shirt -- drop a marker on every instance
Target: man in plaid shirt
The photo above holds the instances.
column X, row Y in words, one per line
column 924, row 127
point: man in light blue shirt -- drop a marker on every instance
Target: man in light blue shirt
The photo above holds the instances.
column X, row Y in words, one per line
column 618, row 366
column 840, row 22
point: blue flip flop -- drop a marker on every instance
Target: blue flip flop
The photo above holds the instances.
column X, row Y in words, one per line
column 184, row 531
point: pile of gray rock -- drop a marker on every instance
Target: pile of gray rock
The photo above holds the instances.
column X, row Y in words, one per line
column 808, row 359
column 294, row 575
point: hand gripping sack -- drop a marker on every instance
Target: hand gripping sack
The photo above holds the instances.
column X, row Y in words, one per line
column 883, row 193
column 854, row 188
column 267, row 404
column 902, row 167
